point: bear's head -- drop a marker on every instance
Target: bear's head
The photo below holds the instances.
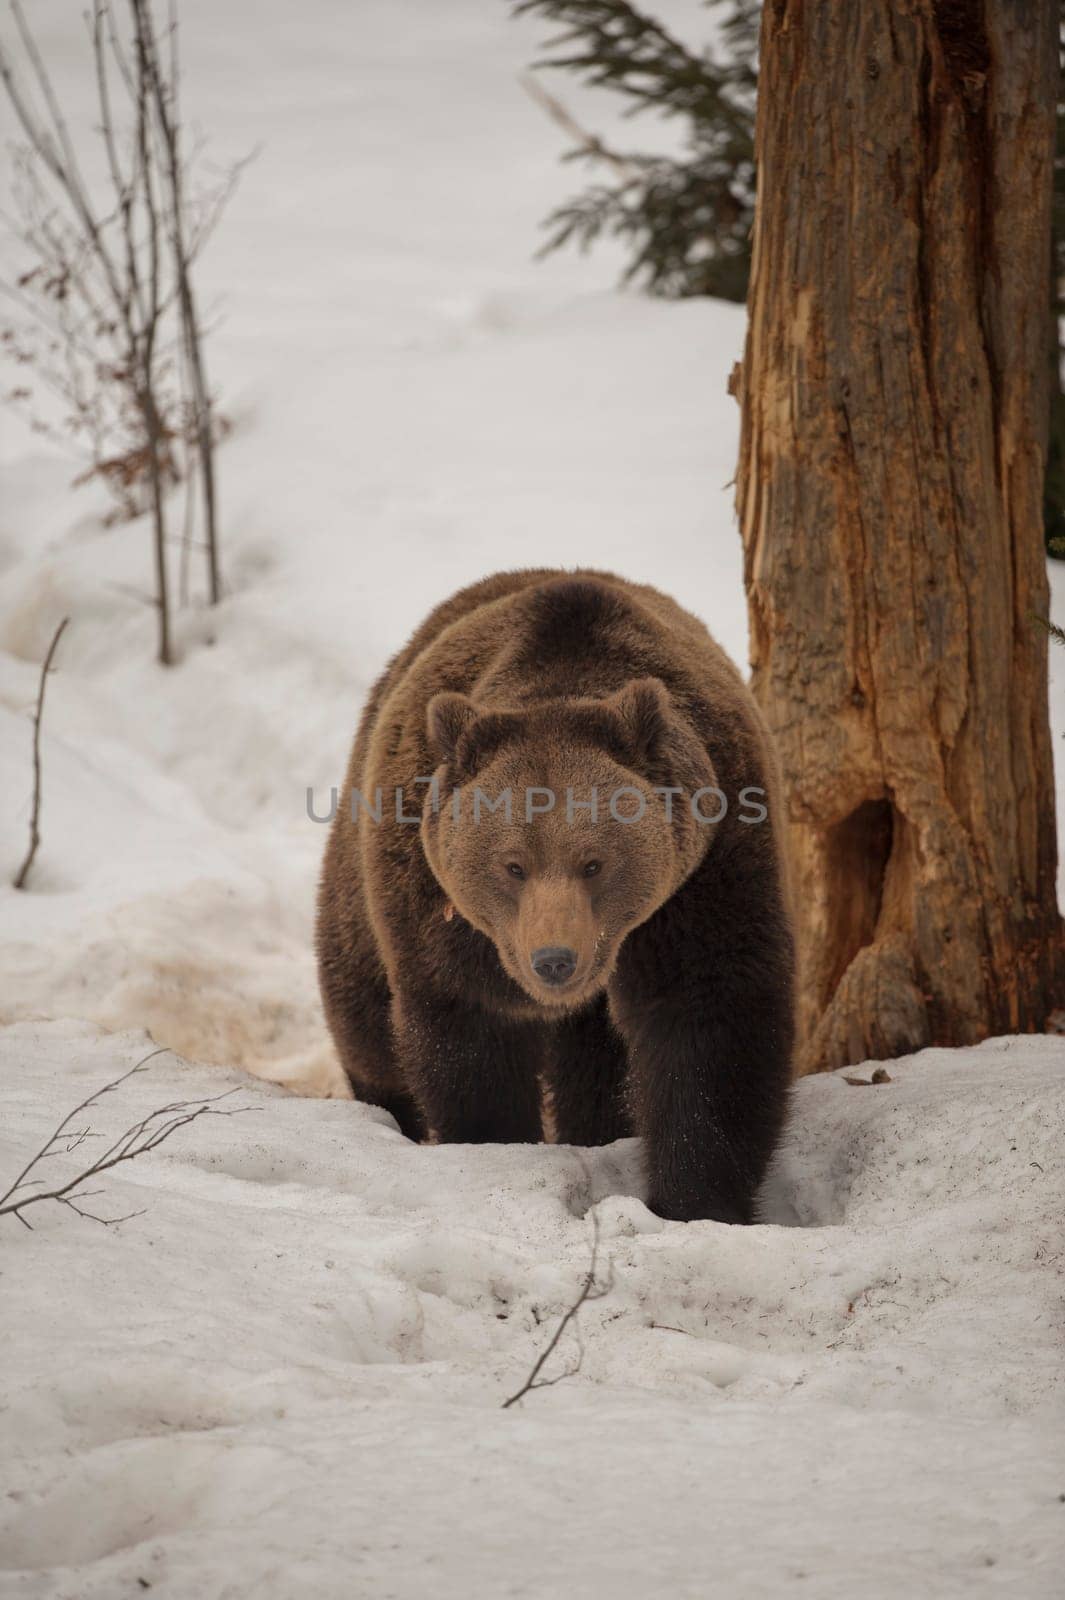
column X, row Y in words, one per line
column 557, row 828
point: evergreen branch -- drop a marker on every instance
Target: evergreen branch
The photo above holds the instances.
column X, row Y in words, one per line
column 614, row 45
column 685, row 219
column 1056, row 633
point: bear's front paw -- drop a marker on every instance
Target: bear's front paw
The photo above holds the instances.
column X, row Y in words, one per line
column 708, row 1209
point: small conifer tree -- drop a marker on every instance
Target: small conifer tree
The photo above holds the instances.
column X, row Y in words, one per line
column 686, row 219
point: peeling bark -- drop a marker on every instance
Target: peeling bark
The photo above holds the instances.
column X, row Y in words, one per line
column 890, row 485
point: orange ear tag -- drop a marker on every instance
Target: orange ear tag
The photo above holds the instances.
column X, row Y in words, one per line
column 449, row 911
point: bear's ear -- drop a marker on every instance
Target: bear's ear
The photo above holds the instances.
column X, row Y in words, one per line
column 642, row 709
column 448, row 717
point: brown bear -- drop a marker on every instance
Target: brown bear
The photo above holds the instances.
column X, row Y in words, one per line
column 557, row 866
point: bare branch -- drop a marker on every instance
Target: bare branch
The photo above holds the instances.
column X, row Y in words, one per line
column 212, row 205
column 588, row 144
column 145, row 76
column 100, row 12
column 84, row 1105
column 35, row 817
column 589, row 1291
column 59, row 158
column 138, row 1140
column 165, row 99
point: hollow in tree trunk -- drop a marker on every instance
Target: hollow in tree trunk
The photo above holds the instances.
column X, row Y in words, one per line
column 894, row 424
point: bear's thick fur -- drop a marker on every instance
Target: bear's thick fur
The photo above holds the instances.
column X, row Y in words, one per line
column 661, row 998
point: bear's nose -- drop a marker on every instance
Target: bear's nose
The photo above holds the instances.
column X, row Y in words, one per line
column 553, row 963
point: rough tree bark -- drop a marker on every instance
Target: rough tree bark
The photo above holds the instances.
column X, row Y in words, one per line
column 894, row 421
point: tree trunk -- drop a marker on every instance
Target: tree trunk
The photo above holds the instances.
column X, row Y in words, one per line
column 894, row 399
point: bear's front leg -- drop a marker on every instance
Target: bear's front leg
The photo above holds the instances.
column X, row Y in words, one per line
column 473, row 1074
column 705, row 1006
column 709, row 1094
column 586, row 1073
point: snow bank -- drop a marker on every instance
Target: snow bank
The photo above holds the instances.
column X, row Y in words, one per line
column 286, row 1375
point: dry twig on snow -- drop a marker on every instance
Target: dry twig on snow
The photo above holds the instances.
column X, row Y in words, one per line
column 590, row 1290
column 137, row 1140
column 35, row 816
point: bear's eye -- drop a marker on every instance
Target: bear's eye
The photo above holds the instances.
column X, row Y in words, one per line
column 592, row 868
column 515, row 869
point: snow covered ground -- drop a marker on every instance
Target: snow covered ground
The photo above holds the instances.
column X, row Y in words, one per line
column 286, row 1376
